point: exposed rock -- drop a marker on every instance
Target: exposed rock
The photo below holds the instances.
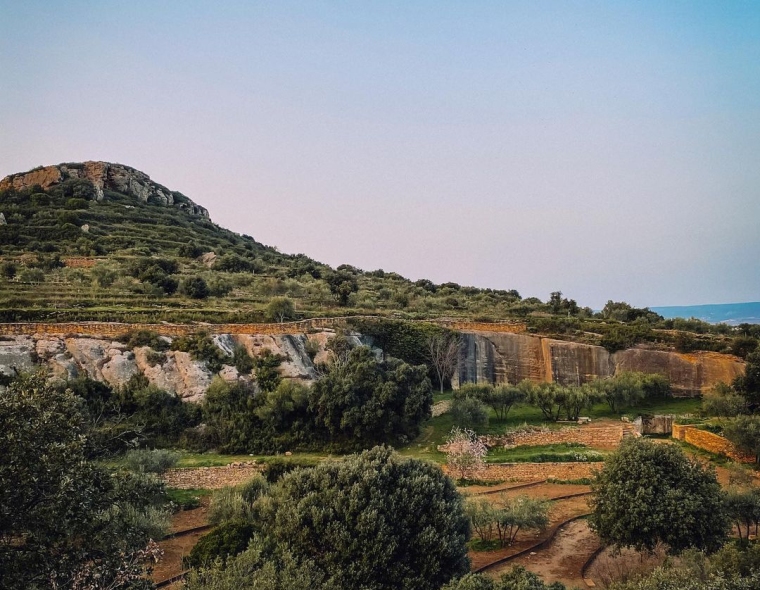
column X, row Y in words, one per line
column 16, row 355
column 179, row 374
column 2, row 219
column 120, row 368
column 85, row 228
column 491, row 357
column 225, row 343
column 104, row 176
column 208, row 259
column 229, row 374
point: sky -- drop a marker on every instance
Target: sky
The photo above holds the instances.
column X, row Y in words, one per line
column 608, row 150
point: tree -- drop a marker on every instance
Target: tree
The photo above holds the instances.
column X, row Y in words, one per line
column 465, row 454
column 342, row 284
column 280, row 309
column 502, row 397
column 744, row 432
column 65, row 521
column 367, row 401
column 469, row 412
column 519, row 513
column 374, row 520
column 748, row 384
column 443, row 348
column 649, row 493
column 194, row 287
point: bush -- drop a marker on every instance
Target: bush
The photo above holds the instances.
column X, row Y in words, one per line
column 194, row 287
column 202, row 348
column 226, row 540
column 469, row 412
column 276, row 468
column 137, row 338
column 150, row 461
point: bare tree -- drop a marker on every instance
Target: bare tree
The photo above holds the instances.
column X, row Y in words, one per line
column 443, row 351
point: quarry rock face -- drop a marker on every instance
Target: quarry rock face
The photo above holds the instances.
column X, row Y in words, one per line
column 484, row 357
column 104, row 176
column 490, row 357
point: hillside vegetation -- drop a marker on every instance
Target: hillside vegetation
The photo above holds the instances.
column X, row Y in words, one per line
column 68, row 255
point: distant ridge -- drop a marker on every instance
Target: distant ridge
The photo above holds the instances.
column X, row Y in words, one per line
column 727, row 313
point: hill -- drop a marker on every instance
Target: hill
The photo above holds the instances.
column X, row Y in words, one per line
column 729, row 313
column 104, row 242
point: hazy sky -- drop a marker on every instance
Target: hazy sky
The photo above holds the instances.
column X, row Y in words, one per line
column 610, row 150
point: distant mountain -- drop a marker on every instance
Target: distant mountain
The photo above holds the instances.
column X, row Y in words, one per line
column 727, row 313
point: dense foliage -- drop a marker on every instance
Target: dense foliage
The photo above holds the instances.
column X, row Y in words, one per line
column 649, row 493
column 63, row 518
column 372, row 521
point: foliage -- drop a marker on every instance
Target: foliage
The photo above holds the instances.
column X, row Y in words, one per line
column 62, row 518
column 518, row 578
column 505, row 521
column 136, row 338
column 649, row 493
column 280, row 309
column 258, row 568
column 465, row 454
column 274, row 421
column 724, row 401
column 554, row 399
column 278, row 467
column 194, row 287
column 236, row 504
column 226, row 540
column 630, row 389
column 343, row 284
column 743, row 508
column 469, row 412
column 748, row 385
column 242, row 360
column 265, row 367
column 366, row 401
column 202, row 348
column 744, row 432
column 502, row 398
column 150, row 461
column 373, row 520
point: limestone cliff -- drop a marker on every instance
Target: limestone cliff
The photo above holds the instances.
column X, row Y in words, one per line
column 485, row 356
column 104, row 176
column 106, row 360
column 509, row 358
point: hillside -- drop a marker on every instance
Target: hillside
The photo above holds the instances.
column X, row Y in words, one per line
column 102, row 241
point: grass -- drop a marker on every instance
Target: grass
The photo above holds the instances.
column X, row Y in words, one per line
column 186, row 499
column 436, row 430
column 558, row 452
column 480, row 545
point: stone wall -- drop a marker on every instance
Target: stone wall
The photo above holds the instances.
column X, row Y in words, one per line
column 606, row 437
column 710, row 442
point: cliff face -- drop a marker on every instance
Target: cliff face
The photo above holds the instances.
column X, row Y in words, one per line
column 104, row 176
column 106, row 360
column 492, row 357
column 509, row 358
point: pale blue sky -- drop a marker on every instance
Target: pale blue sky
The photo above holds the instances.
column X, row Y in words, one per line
column 610, row 150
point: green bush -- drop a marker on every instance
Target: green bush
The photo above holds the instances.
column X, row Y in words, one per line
column 150, row 461
column 469, row 412
column 226, row 540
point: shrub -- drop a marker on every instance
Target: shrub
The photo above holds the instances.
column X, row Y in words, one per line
column 226, row 540
column 469, row 412
column 150, row 461
column 194, row 287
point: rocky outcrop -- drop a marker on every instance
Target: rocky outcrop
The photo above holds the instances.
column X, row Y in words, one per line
column 111, row 362
column 490, row 357
column 104, row 176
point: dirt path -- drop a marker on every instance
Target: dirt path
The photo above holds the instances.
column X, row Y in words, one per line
column 563, row 559
column 175, row 548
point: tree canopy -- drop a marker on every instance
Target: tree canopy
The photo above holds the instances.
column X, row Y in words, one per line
column 648, row 493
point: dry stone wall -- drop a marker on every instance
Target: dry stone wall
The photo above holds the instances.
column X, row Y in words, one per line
column 710, row 442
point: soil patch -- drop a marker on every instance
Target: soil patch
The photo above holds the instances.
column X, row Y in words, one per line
column 211, row 478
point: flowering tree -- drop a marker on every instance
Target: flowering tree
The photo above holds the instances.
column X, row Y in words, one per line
column 465, row 453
